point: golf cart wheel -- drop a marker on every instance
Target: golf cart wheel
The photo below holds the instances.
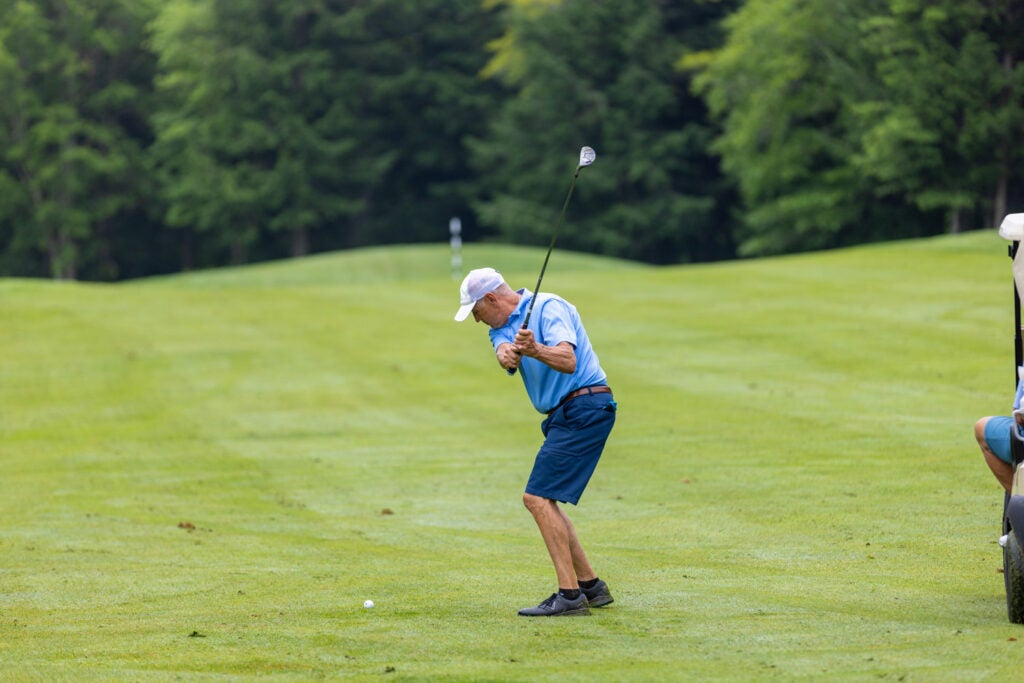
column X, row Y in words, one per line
column 1013, row 574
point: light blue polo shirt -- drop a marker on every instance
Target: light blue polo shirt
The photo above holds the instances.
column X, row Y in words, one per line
column 554, row 320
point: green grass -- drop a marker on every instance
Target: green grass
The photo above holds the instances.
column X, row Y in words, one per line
column 204, row 476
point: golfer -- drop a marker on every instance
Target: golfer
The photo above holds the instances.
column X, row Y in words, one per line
column 993, row 434
column 564, row 380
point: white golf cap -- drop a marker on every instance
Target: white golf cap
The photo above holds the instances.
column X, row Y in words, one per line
column 477, row 283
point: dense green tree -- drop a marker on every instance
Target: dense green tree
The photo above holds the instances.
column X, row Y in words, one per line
column 248, row 140
column 602, row 73
column 1004, row 24
column 72, row 127
column 846, row 123
column 336, row 123
column 782, row 86
column 947, row 122
column 408, row 71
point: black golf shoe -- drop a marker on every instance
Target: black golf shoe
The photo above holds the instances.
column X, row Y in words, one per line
column 598, row 595
column 558, row 606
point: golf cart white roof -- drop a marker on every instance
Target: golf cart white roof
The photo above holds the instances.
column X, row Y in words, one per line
column 1012, row 227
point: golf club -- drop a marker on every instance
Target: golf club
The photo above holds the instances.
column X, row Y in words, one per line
column 587, row 156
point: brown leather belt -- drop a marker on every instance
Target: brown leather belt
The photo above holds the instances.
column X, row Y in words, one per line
column 596, row 389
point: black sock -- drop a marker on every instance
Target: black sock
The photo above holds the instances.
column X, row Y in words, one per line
column 569, row 593
column 589, row 584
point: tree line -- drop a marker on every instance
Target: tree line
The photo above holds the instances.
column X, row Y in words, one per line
column 140, row 137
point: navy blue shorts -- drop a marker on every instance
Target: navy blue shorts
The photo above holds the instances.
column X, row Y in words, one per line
column 575, row 435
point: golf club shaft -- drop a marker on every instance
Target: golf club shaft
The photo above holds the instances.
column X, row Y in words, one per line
column 554, row 236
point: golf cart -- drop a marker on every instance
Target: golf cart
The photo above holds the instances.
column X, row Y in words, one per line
column 1012, row 540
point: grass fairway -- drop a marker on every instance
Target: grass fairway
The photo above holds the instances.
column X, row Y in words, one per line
column 204, row 476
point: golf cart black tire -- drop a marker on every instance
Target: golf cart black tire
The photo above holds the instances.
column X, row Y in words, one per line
column 1013, row 574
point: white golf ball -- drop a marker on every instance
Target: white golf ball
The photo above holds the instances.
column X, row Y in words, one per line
column 368, row 604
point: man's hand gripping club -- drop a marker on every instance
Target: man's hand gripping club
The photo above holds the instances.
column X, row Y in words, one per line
column 561, row 357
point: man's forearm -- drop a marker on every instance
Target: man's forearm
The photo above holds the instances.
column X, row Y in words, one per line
column 561, row 358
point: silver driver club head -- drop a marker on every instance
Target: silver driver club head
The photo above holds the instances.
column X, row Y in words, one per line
column 587, row 156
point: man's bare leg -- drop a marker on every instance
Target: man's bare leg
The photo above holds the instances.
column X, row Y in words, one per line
column 580, row 563
column 559, row 537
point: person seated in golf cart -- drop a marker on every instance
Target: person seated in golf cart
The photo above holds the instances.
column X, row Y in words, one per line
column 994, row 433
